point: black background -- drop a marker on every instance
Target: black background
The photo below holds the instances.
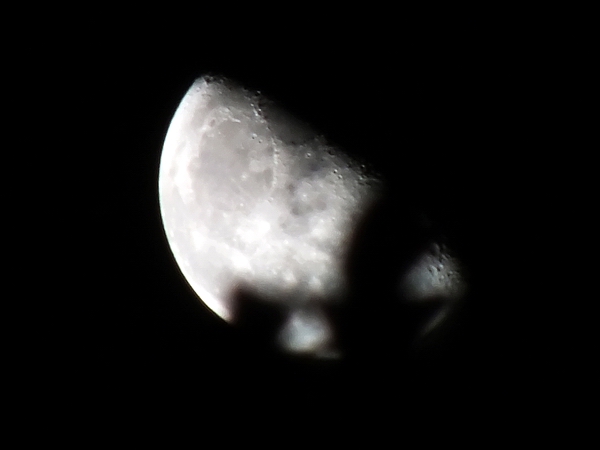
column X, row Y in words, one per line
column 436, row 120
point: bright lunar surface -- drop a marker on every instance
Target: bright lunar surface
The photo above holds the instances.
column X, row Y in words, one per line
column 436, row 274
column 252, row 198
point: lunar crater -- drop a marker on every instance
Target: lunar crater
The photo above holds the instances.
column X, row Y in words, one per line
column 436, row 273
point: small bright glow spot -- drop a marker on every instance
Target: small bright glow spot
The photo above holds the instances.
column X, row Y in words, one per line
column 305, row 332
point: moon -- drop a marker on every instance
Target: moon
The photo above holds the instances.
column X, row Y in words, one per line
column 252, row 197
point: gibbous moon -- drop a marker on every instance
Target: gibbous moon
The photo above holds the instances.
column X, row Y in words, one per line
column 252, row 198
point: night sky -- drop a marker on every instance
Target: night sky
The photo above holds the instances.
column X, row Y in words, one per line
column 434, row 124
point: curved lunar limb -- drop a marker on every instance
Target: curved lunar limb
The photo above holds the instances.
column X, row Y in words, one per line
column 249, row 198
